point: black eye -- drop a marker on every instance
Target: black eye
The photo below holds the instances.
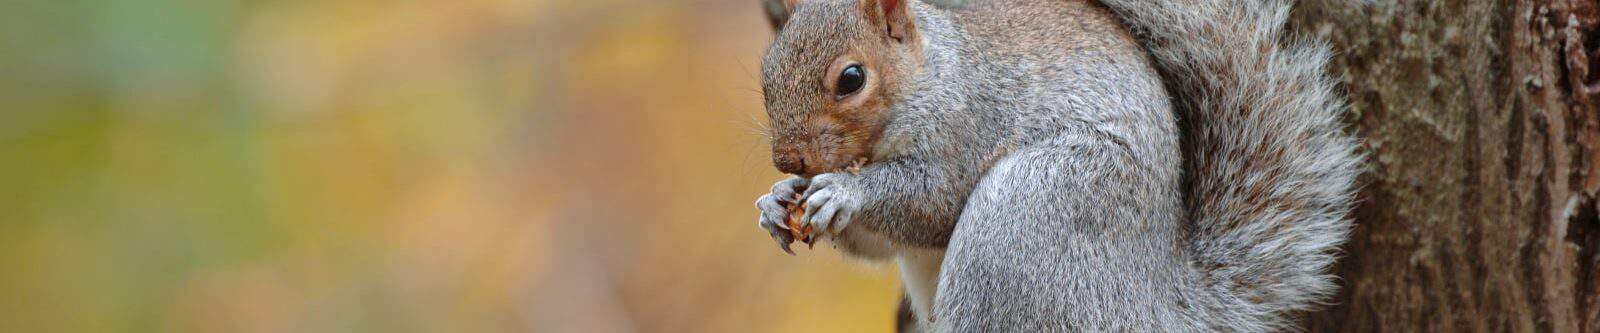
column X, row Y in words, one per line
column 850, row 80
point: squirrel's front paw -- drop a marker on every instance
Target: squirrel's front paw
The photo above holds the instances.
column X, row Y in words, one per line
column 830, row 202
column 775, row 211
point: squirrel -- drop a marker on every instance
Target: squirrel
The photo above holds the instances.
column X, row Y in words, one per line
column 1065, row 165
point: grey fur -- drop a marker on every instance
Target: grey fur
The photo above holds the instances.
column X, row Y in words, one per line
column 1271, row 172
column 1038, row 146
column 777, row 12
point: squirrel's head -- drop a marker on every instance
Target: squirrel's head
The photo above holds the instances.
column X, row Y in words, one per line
column 831, row 76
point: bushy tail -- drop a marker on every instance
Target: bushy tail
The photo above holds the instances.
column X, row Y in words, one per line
column 1270, row 170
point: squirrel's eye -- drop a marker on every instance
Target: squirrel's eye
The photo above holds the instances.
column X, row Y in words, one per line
column 850, row 80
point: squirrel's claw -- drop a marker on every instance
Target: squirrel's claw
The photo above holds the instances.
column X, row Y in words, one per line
column 829, row 204
column 781, row 236
column 785, row 246
column 775, row 211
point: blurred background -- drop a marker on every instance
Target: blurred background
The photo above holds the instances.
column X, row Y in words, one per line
column 398, row 166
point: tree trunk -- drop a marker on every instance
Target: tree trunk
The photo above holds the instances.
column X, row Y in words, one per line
column 1479, row 209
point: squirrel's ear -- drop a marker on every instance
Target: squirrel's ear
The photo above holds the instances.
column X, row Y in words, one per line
column 778, row 11
column 892, row 16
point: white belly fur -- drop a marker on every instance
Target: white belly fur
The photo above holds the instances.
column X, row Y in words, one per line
column 919, row 273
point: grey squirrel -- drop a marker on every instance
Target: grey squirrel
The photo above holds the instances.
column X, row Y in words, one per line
column 1065, row 165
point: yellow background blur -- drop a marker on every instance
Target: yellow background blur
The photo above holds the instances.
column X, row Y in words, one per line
column 398, row 166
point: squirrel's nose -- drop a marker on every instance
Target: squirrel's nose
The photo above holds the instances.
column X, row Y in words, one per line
column 790, row 162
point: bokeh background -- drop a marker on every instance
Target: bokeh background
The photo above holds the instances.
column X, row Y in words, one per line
column 398, row 166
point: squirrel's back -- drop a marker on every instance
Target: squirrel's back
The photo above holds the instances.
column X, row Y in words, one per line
column 1048, row 64
column 1033, row 29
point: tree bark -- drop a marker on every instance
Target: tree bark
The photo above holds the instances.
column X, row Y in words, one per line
column 1481, row 120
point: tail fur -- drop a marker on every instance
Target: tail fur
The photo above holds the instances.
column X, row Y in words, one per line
column 1270, row 169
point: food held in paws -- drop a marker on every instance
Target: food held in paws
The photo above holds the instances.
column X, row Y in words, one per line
column 798, row 228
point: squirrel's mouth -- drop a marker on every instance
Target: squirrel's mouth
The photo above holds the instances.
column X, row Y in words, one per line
column 828, row 151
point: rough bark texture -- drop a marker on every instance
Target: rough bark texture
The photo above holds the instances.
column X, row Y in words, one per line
column 1479, row 209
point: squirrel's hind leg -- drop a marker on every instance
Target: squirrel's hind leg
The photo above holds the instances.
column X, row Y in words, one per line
column 1065, row 233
